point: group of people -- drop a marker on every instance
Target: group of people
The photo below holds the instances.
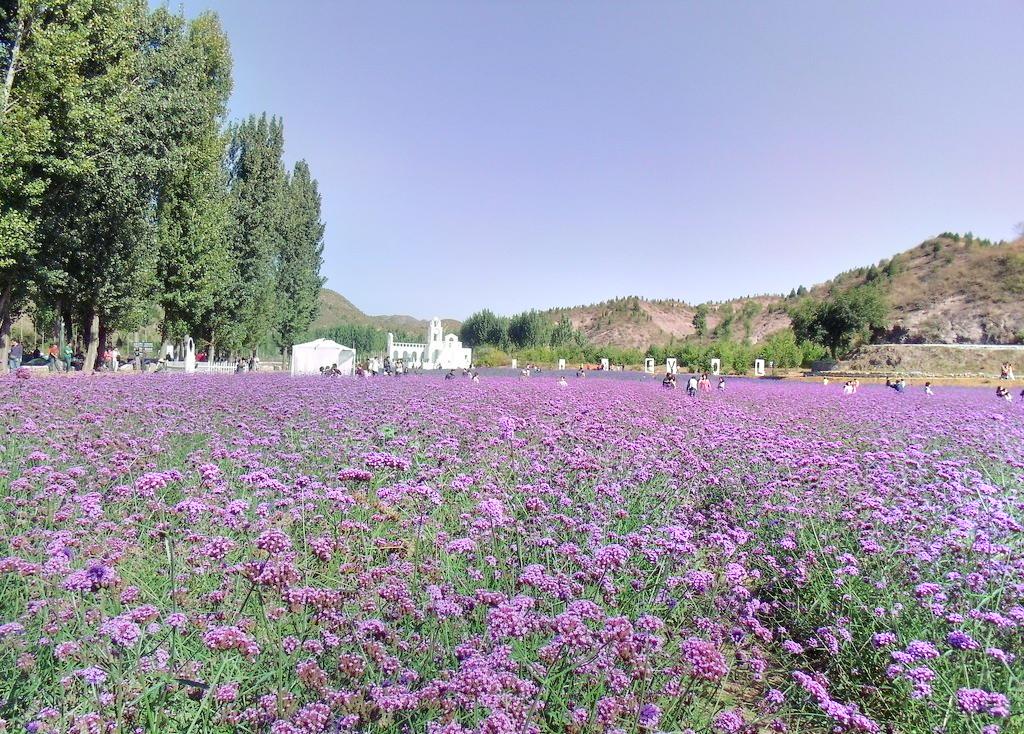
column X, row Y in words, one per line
column 252, row 365
column 1005, row 394
column 331, row 371
column 694, row 384
column 1006, row 371
column 472, row 374
column 56, row 359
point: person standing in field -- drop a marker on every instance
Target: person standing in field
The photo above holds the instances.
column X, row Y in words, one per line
column 66, row 355
column 691, row 386
column 928, row 389
column 15, row 355
column 51, row 357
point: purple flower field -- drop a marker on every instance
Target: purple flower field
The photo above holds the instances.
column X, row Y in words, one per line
column 262, row 554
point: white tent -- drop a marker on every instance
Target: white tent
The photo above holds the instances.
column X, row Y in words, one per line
column 308, row 358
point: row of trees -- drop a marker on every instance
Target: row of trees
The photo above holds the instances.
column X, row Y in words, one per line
column 782, row 348
column 727, row 317
column 527, row 330
column 364, row 338
column 123, row 187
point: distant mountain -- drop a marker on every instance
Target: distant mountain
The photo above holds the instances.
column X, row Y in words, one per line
column 335, row 309
column 949, row 289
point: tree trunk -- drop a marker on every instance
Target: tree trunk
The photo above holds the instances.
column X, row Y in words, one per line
column 69, row 326
column 12, row 63
column 92, row 337
column 6, row 320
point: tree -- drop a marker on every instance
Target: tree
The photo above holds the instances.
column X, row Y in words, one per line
column 748, row 312
column 256, row 184
column 484, row 327
column 700, row 320
column 194, row 262
column 836, row 321
column 299, row 258
column 564, row 334
column 42, row 47
column 723, row 330
column 96, row 217
column 529, row 329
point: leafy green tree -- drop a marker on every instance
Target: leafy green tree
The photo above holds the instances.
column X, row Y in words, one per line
column 256, row 185
column 748, row 313
column 835, row 322
column 564, row 334
column 726, row 316
column 529, row 329
column 43, row 44
column 96, row 216
column 299, row 258
column 804, row 317
column 484, row 327
column 700, row 320
column 194, row 262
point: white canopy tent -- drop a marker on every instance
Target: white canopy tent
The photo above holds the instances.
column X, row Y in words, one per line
column 308, row 358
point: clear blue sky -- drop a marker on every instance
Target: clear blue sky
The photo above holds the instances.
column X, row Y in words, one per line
column 532, row 154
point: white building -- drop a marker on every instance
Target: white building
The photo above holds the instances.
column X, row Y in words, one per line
column 309, row 358
column 442, row 351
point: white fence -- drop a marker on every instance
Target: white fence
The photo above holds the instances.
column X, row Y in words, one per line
column 207, row 367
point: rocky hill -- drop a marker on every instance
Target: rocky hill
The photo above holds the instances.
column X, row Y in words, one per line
column 948, row 289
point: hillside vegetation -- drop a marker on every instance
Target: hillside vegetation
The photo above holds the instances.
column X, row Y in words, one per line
column 949, row 289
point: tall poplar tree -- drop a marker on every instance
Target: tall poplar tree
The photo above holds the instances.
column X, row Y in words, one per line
column 194, row 70
column 299, row 258
column 256, row 188
column 44, row 45
column 95, row 215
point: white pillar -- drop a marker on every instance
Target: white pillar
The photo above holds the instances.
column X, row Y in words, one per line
column 515, row 363
column 561, row 364
column 759, row 367
column 190, row 355
column 604, row 363
column 716, row 366
column 670, row 365
column 649, row 365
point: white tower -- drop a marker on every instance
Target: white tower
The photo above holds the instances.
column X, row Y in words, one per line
column 435, row 341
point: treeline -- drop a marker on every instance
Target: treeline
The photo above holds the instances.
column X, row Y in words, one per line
column 782, row 348
column 125, row 192
column 527, row 330
column 364, row 338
